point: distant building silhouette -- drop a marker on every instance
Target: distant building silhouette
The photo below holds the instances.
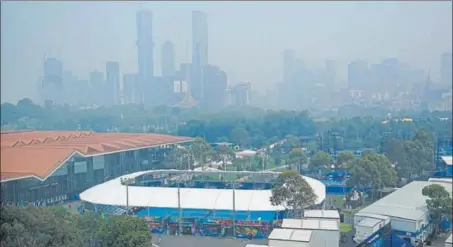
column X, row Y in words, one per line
column 52, row 89
column 168, row 59
column 112, row 71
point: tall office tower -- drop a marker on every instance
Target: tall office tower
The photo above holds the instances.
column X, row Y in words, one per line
column 390, row 75
column 168, row 59
column 129, row 88
column 145, row 51
column 357, row 74
column 199, row 53
column 52, row 88
column 242, row 94
column 330, row 72
column 214, row 89
column 112, row 72
column 289, row 60
column 446, row 70
column 97, row 86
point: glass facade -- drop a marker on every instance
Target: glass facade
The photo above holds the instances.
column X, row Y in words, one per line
column 80, row 173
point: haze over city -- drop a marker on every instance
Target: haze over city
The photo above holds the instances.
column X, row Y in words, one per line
column 246, row 40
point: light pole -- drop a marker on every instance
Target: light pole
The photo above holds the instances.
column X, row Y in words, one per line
column 234, row 209
column 179, row 210
column 127, row 182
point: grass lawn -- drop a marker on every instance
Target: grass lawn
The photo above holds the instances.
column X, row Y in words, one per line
column 335, row 200
column 345, row 227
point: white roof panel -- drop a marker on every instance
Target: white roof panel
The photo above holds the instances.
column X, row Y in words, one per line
column 449, row 239
column 290, row 235
column 328, row 214
column 448, row 160
column 406, row 202
column 370, row 222
column 114, row 193
column 310, row 224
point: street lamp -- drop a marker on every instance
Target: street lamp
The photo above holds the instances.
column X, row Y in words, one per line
column 127, row 181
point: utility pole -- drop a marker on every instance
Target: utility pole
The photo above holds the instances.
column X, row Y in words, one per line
column 234, row 209
column 179, row 209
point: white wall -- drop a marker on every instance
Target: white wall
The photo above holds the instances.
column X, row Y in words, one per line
column 283, row 243
column 324, row 238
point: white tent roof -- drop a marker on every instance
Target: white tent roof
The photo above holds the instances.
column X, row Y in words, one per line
column 114, row 193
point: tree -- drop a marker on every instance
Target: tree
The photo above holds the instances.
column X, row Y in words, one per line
column 344, row 157
column 124, row 231
column 371, row 170
column 225, row 154
column 37, row 227
column 240, row 136
column 297, row 157
column 201, row 152
column 320, row 161
column 177, row 158
column 438, row 202
column 293, row 192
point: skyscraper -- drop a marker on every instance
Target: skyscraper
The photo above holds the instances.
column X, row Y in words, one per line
column 214, row 90
column 112, row 71
column 97, row 86
column 168, row 59
column 145, row 51
column 200, row 38
column 289, row 60
column 357, row 74
column 445, row 69
column 199, row 53
column 52, row 83
column 129, row 88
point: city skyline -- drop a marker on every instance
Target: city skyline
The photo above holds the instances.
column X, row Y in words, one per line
column 235, row 75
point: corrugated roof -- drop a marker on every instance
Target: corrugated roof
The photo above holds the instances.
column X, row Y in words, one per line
column 39, row 153
column 406, row 202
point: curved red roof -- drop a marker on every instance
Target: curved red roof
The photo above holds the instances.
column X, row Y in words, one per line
column 39, row 153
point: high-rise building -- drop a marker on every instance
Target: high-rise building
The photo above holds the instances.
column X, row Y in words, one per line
column 145, row 51
column 97, row 85
column 357, row 74
column 199, row 53
column 112, row 71
column 52, row 88
column 241, row 94
column 330, row 72
column 200, row 38
column 445, row 69
column 214, row 89
column 130, row 82
column 289, row 60
column 168, row 59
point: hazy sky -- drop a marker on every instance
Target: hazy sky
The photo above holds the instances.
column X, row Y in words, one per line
column 246, row 39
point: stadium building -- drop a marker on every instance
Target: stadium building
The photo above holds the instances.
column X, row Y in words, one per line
column 205, row 202
column 49, row 167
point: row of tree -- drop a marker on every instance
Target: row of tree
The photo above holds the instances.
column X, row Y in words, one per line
column 250, row 127
column 56, row 227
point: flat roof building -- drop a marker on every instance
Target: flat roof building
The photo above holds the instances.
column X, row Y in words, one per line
column 449, row 241
column 322, row 215
column 406, row 209
column 290, row 238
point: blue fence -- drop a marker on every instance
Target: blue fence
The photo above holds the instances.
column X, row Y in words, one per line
column 210, row 214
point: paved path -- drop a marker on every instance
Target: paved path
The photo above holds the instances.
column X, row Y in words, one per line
column 201, row 241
